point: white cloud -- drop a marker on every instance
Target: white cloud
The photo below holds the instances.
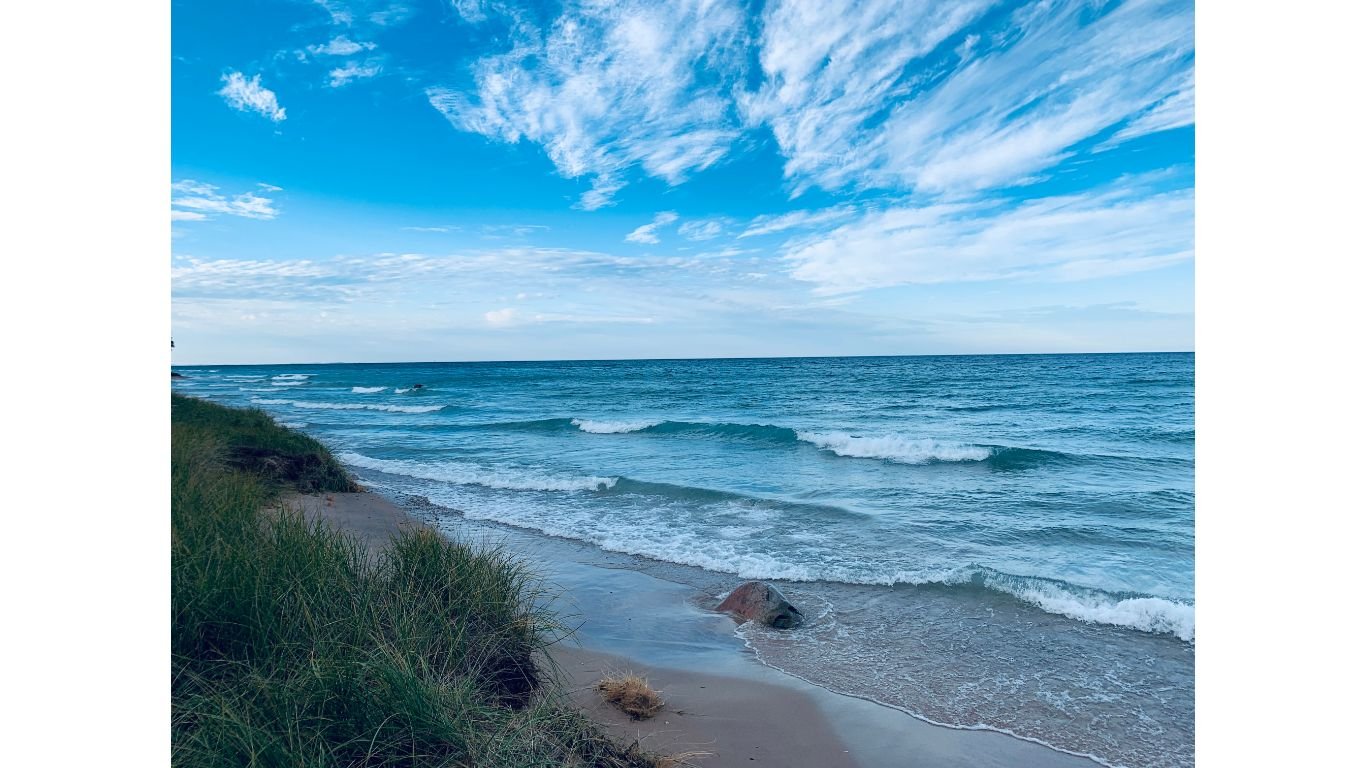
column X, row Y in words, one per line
column 338, row 10
column 471, row 11
column 1173, row 111
column 250, row 96
column 431, row 229
column 611, row 87
column 647, row 234
column 501, row 318
column 832, row 67
column 195, row 201
column 340, row 46
column 1054, row 76
column 1126, row 228
column 352, row 71
column 702, row 229
column 769, row 224
column 347, row 13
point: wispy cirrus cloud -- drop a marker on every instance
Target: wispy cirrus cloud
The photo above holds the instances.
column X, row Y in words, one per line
column 248, row 95
column 348, row 13
column 1009, row 104
column 196, row 201
column 1057, row 74
column 353, row 70
column 1124, row 228
column 773, row 223
column 939, row 98
column 612, row 87
column 340, row 45
column 648, row 234
column 832, row 69
column 703, row 229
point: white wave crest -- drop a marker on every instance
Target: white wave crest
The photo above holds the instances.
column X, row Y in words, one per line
column 290, row 383
column 466, row 474
column 350, row 406
column 400, row 391
column 605, row 427
column 896, row 448
column 1149, row 614
column 367, row 390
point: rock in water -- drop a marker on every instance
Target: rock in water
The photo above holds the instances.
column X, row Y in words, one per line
column 757, row 601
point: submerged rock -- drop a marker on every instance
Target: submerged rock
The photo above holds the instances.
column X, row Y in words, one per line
column 757, row 601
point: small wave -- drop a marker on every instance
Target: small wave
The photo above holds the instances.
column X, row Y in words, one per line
column 350, row 406
column 467, row 474
column 896, row 448
column 367, row 390
column 290, row 383
column 605, row 427
column 1148, row 614
column 401, row 391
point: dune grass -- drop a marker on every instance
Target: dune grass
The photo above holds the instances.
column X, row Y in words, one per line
column 291, row 646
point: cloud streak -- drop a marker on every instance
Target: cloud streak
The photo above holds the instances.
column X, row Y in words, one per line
column 1118, row 230
column 648, row 234
column 196, row 201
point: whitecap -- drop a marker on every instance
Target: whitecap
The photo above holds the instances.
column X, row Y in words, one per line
column 896, row 448
column 350, row 406
column 469, row 474
column 607, row 427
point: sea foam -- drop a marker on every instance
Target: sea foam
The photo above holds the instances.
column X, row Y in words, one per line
column 349, row 406
column 608, row 427
column 367, row 390
column 469, row 474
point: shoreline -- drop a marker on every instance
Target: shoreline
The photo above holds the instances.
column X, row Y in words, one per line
column 720, row 699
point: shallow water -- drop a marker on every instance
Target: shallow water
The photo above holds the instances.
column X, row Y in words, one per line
column 1001, row 542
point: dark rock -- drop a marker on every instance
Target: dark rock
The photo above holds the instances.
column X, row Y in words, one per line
column 757, row 601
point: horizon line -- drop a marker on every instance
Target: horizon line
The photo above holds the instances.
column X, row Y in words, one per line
column 688, row 359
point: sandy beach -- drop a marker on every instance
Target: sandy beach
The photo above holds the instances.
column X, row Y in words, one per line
column 720, row 703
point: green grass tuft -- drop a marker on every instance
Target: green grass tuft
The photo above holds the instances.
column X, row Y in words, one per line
column 292, row 647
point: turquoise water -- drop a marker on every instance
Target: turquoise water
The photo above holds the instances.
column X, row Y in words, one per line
column 992, row 541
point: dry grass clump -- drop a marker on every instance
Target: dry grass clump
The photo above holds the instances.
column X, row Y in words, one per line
column 681, row 760
column 631, row 694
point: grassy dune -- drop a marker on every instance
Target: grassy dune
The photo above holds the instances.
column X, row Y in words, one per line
column 292, row 647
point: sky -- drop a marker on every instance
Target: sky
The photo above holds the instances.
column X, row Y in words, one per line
column 423, row 180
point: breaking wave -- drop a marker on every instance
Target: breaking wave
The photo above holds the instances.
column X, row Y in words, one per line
column 605, row 427
column 349, row 406
column 470, row 474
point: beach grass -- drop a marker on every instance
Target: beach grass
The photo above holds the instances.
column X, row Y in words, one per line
column 293, row 646
column 631, row 694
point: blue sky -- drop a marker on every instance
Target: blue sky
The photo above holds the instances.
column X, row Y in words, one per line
column 389, row 180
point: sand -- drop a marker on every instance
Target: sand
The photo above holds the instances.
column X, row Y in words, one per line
column 718, row 700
